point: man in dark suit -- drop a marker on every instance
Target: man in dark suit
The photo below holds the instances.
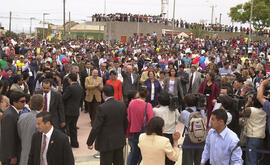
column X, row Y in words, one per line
column 104, row 73
column 72, row 98
column 130, row 80
column 109, row 128
column 10, row 142
column 73, row 70
column 49, row 145
column 85, row 73
column 53, row 103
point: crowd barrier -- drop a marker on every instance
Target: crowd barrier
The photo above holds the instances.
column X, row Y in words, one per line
column 243, row 148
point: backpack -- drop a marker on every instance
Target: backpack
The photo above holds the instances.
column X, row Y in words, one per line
column 197, row 130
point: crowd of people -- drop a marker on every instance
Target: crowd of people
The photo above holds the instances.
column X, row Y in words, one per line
column 179, row 23
column 138, row 90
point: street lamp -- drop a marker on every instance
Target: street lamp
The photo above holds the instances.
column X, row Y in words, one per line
column 31, row 24
column 44, row 14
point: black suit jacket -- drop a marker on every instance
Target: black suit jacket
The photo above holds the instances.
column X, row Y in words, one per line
column 59, row 150
column 109, row 126
column 10, row 141
column 56, row 108
column 72, row 97
column 83, row 76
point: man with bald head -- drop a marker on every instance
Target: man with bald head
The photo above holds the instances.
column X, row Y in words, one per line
column 130, row 80
column 93, row 86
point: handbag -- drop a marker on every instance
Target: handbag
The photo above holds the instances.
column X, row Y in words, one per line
column 144, row 120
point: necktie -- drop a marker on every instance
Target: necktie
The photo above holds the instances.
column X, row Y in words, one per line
column 43, row 149
column 190, row 83
column 88, row 72
column 45, row 103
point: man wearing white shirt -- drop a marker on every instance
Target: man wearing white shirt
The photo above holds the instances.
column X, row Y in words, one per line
column 49, row 146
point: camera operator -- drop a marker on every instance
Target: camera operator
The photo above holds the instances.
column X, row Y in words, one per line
column 254, row 129
column 266, row 108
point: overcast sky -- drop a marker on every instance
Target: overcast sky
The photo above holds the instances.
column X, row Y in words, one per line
column 188, row 10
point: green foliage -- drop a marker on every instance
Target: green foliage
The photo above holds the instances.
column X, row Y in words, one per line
column 198, row 32
column 11, row 34
column 261, row 13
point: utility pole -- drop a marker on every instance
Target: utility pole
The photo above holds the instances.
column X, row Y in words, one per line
column 212, row 14
column 44, row 14
column 69, row 25
column 220, row 18
column 31, row 24
column 10, row 14
column 64, row 19
column 105, row 7
column 173, row 14
column 250, row 20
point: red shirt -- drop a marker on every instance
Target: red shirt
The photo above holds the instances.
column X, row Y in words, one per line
column 135, row 114
column 117, row 86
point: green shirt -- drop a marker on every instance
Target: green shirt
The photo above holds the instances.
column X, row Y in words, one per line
column 3, row 63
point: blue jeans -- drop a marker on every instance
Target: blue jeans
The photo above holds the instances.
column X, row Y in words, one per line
column 252, row 157
column 134, row 156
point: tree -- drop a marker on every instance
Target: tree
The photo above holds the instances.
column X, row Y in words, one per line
column 11, row 34
column 198, row 32
column 261, row 13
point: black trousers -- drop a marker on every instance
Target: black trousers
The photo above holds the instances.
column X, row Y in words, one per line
column 92, row 107
column 71, row 122
column 114, row 157
column 168, row 161
column 190, row 156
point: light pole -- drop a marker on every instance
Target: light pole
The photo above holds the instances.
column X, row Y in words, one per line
column 44, row 14
column 250, row 20
column 173, row 12
column 105, row 5
column 31, row 24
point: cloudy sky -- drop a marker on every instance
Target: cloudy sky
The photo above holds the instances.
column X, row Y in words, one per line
column 81, row 10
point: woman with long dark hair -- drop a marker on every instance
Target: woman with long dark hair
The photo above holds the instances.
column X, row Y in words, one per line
column 211, row 90
column 153, row 87
column 155, row 147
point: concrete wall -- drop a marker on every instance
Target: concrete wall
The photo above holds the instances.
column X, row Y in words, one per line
column 114, row 30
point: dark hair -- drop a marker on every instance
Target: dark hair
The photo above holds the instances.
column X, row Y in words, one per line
column 10, row 60
column 73, row 77
column 226, row 101
column 150, row 72
column 36, row 102
column 47, row 81
column 17, row 78
column 155, row 126
column 256, row 102
column 228, row 87
column 1, row 98
column 162, row 72
column 220, row 115
column 27, row 97
column 143, row 91
column 15, row 96
column 190, row 100
column 108, row 90
column 174, row 70
column 212, row 76
column 46, row 116
column 164, row 98
column 113, row 72
column 25, row 75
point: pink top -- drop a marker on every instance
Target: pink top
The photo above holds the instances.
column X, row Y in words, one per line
column 135, row 114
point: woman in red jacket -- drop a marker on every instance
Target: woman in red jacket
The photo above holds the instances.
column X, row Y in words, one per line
column 117, row 85
column 211, row 90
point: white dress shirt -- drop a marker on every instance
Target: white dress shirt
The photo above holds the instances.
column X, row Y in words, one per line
column 48, row 100
column 48, row 138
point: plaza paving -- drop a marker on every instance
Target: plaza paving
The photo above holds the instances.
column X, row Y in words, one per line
column 84, row 156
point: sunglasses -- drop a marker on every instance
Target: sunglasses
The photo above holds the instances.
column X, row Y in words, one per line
column 22, row 101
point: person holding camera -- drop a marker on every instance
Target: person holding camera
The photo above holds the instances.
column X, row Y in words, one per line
column 266, row 107
column 254, row 129
column 190, row 156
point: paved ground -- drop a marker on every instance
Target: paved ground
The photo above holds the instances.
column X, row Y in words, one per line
column 83, row 156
